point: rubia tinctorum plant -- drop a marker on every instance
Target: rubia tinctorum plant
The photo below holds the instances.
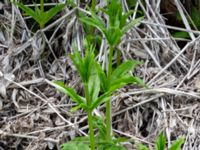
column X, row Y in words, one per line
column 98, row 87
column 113, row 31
column 39, row 14
column 98, row 84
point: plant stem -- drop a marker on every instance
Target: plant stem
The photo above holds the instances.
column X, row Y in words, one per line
column 110, row 61
column 108, row 103
column 91, row 130
column 42, row 10
column 93, row 5
column 89, row 114
column 118, row 57
column 42, row 5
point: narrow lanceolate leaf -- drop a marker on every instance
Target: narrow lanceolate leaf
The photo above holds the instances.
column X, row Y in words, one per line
column 113, row 35
column 103, row 98
column 124, row 18
column 160, row 142
column 52, row 12
column 94, row 86
column 123, row 69
column 27, row 10
column 104, row 83
column 131, row 24
column 69, row 91
column 176, row 145
column 41, row 17
column 88, row 62
column 79, row 64
column 94, row 21
column 126, row 79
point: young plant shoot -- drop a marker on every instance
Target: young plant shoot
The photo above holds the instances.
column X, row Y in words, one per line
column 38, row 14
column 113, row 32
column 100, row 84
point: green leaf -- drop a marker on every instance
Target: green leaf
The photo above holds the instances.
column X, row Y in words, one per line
column 160, row 142
column 103, row 79
column 99, row 123
column 131, row 3
column 94, row 85
column 79, row 64
column 27, row 10
column 41, row 17
column 181, row 34
column 59, row 85
column 85, row 66
column 73, row 109
column 94, row 21
column 123, row 69
column 113, row 35
column 75, row 146
column 126, row 79
column 176, row 145
column 103, row 98
column 124, row 18
column 89, row 61
column 52, row 12
column 131, row 24
column 195, row 16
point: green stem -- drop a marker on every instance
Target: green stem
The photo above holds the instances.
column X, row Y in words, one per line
column 93, row 5
column 42, row 5
column 42, row 10
column 110, row 61
column 91, row 130
column 108, row 103
column 118, row 57
column 89, row 114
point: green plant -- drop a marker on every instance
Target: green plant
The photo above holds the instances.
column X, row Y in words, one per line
column 94, row 79
column 38, row 14
column 161, row 143
column 99, row 85
column 113, row 32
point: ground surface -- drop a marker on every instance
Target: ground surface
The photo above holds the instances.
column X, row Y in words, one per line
column 34, row 116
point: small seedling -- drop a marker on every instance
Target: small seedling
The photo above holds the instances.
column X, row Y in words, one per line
column 160, row 144
column 39, row 15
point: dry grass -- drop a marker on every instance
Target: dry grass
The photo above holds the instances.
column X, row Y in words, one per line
column 34, row 116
